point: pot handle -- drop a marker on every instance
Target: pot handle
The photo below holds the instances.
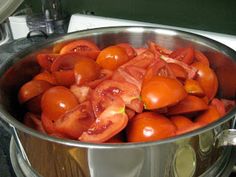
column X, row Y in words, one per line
column 226, row 138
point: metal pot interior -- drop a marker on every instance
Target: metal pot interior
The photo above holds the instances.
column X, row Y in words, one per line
column 196, row 146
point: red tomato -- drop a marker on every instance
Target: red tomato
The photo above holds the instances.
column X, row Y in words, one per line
column 33, row 121
column 112, row 57
column 178, row 71
column 149, row 126
column 66, row 61
column 32, row 89
column 64, row 78
column 74, row 122
column 104, row 74
column 193, row 87
column 58, row 46
column 209, row 116
column 181, row 122
column 219, row 106
column 207, row 79
column 128, row 92
column 82, row 47
column 46, row 76
column 189, row 104
column 48, row 124
column 34, row 104
column 129, row 49
column 82, row 93
column 162, row 91
column 159, row 49
column 56, row 101
column 45, row 60
column 194, row 126
column 183, row 54
column 200, row 57
column 109, row 123
column 86, row 70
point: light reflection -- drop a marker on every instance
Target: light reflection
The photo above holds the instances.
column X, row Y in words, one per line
column 148, row 131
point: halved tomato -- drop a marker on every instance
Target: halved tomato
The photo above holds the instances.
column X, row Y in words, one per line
column 183, row 54
column 189, row 104
column 74, row 122
column 82, row 47
column 56, row 101
column 207, row 79
column 32, row 89
column 149, row 126
column 109, row 123
column 162, row 91
column 112, row 57
column 45, row 60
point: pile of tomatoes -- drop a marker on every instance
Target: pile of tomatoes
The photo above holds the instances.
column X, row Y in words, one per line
column 120, row 93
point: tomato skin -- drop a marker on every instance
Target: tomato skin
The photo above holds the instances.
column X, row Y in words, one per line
column 45, row 60
column 149, row 126
column 209, row 116
column 200, row 57
column 86, row 70
column 46, row 76
column 32, row 89
column 64, row 78
column 194, row 126
column 109, row 123
column 112, row 57
column 181, row 122
column 219, row 106
column 56, row 101
column 82, row 47
column 74, row 122
column 178, row 71
column 189, row 104
column 183, row 54
column 128, row 49
column 161, row 91
column 207, row 79
column 193, row 87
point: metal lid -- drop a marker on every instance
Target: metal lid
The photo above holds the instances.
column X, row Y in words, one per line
column 8, row 7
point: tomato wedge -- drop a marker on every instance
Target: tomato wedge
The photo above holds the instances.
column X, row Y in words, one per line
column 32, row 89
column 74, row 122
column 200, row 57
column 110, row 122
column 82, row 47
column 162, row 91
column 181, row 122
column 183, row 54
column 189, row 104
column 129, row 49
column 128, row 92
column 219, row 106
column 46, row 76
column 45, row 60
column 178, row 71
column 193, row 87
column 64, row 78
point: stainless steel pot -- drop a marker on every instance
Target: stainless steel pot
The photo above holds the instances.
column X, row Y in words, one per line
column 197, row 153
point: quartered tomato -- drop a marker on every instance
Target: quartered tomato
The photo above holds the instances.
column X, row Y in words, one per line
column 162, row 91
column 82, row 47
column 149, row 126
column 45, row 60
column 129, row 49
column 86, row 70
column 74, row 122
column 158, row 49
column 189, row 104
column 183, row 54
column 128, row 92
column 207, row 79
column 32, row 89
column 56, row 101
column 112, row 57
column 178, row 71
column 109, row 123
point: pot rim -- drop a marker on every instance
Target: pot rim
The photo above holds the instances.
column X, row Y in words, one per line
column 86, row 33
